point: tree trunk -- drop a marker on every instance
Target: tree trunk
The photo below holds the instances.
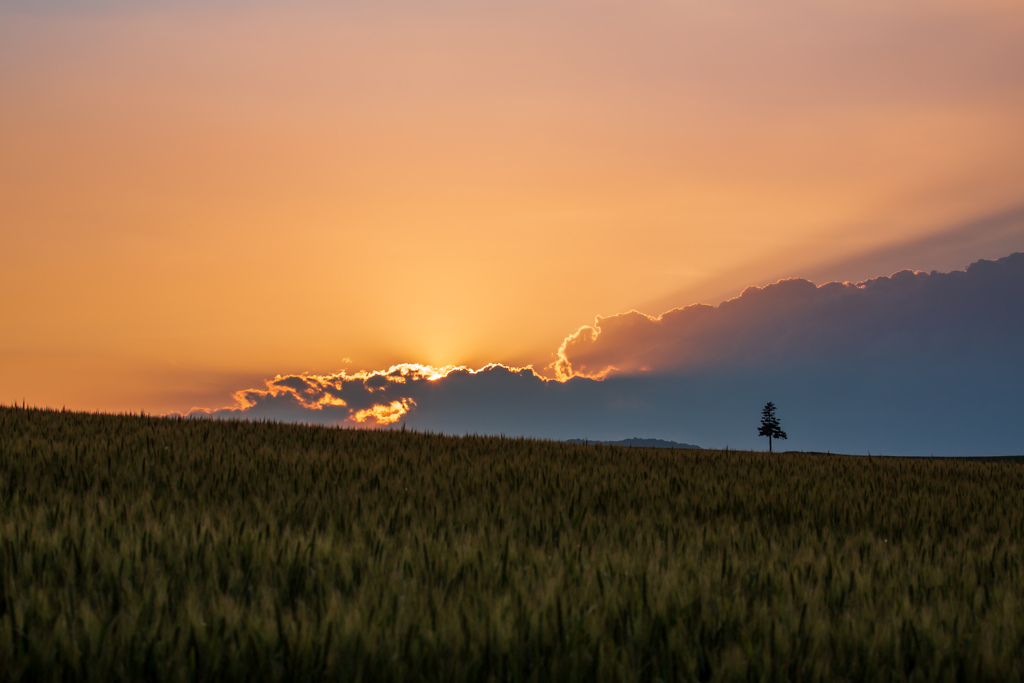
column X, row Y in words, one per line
column 769, row 443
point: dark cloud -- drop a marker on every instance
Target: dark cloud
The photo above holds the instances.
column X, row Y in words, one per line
column 907, row 317
column 370, row 399
column 911, row 364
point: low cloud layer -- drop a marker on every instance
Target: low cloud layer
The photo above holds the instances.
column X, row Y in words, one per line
column 914, row 364
column 358, row 399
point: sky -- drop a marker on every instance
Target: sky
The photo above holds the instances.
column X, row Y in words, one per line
column 198, row 198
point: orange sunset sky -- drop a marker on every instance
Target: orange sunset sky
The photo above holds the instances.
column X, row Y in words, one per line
column 198, row 196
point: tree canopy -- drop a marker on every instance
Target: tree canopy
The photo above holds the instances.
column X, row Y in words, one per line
column 770, row 425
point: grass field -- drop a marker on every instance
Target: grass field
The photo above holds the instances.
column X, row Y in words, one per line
column 134, row 547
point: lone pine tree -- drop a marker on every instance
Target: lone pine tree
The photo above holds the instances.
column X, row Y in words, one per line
column 770, row 425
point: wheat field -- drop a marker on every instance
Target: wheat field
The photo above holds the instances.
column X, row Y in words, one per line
column 142, row 548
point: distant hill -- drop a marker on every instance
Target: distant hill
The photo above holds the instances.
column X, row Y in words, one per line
column 638, row 443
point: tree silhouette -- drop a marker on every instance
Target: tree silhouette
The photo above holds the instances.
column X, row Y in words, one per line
column 770, row 425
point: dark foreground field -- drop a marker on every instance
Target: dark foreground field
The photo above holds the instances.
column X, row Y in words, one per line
column 158, row 549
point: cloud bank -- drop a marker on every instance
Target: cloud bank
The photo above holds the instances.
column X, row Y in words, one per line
column 914, row 364
column 368, row 399
column 910, row 316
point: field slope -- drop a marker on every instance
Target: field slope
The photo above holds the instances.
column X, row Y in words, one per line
column 145, row 548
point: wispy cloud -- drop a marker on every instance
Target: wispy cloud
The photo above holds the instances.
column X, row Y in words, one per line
column 992, row 234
